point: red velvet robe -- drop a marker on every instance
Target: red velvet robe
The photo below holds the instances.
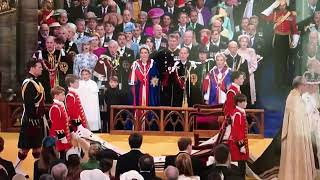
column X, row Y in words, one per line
column 60, row 125
column 75, row 109
column 229, row 105
column 239, row 132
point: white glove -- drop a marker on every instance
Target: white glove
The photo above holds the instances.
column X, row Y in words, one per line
column 270, row 9
column 63, row 140
column 83, row 132
column 243, row 150
column 295, row 41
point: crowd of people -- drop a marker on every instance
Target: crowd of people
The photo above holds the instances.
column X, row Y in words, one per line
column 93, row 54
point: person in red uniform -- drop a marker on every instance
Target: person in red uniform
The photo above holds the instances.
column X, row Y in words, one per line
column 60, row 121
column 73, row 104
column 286, row 36
column 237, row 78
column 238, row 141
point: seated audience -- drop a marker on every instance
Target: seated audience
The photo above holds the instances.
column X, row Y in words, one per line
column 46, row 177
column 184, row 165
column 7, row 165
column 185, row 146
column 171, row 173
column 133, row 156
column 131, row 175
column 108, row 159
column 92, row 163
column 94, row 174
column 146, row 165
column 47, row 156
column 59, row 171
column 73, row 164
column 222, row 168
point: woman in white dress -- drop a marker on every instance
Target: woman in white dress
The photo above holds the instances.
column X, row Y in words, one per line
column 251, row 57
column 88, row 93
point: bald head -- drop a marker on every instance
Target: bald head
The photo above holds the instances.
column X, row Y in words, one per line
column 59, row 171
column 171, row 173
column 126, row 16
column 157, row 30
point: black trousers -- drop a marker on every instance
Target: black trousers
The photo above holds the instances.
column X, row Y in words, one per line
column 242, row 168
column 283, row 65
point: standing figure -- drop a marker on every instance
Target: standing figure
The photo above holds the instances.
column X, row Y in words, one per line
column 73, row 104
column 238, row 140
column 296, row 137
column 217, row 81
column 33, row 124
column 144, row 80
column 250, row 56
column 60, row 121
column 86, row 59
column 88, row 92
column 286, row 36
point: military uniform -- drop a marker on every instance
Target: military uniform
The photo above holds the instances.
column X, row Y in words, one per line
column 32, row 123
column 181, row 91
column 165, row 61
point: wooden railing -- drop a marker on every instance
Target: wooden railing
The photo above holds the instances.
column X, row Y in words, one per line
column 155, row 120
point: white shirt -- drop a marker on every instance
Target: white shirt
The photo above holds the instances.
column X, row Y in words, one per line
column 188, row 46
column 171, row 9
column 182, row 28
column 137, row 40
column 157, row 42
column 200, row 17
column 104, row 10
column 121, row 50
column 216, row 43
column 249, row 9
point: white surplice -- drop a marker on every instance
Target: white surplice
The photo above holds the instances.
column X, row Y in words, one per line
column 88, row 93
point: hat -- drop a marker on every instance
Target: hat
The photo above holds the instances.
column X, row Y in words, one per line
column 73, row 151
column 84, row 40
column 48, row 142
column 131, row 175
column 58, row 12
column 91, row 15
column 54, row 24
column 155, row 13
column 95, row 174
column 128, row 27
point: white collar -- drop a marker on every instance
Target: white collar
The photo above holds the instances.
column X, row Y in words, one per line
column 157, row 39
column 185, row 62
column 137, row 149
column 72, row 89
column 217, row 43
column 233, row 56
column 188, row 46
column 236, row 85
column 240, row 109
column 58, row 102
column 182, row 26
column 224, row 165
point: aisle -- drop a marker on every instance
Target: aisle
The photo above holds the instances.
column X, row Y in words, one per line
column 154, row 145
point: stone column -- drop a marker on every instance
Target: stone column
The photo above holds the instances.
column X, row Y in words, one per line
column 27, row 33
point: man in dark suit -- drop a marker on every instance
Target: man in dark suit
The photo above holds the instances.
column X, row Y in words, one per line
column 8, row 166
column 242, row 29
column 185, row 146
column 82, row 10
column 182, row 25
column 193, row 25
column 138, row 37
column 81, row 27
column 187, row 42
column 159, row 42
column 172, row 9
column 222, row 166
column 218, row 43
column 256, row 42
column 103, row 9
column 146, row 165
column 130, row 160
column 149, row 4
column 126, row 19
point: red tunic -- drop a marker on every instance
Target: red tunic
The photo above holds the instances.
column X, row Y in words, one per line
column 288, row 26
column 229, row 105
column 238, row 137
column 75, row 109
column 60, row 126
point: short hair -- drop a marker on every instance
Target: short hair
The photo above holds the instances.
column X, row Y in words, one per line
column 1, row 144
column 72, row 26
column 121, row 34
column 114, row 78
column 59, row 171
column 245, row 18
column 105, row 164
column 71, row 78
column 94, row 150
column 173, row 36
column 193, row 10
column 184, row 165
column 135, row 140
column 236, row 74
column 183, row 143
column 181, row 13
column 32, row 63
column 207, row 31
column 57, row 90
column 146, row 162
column 239, row 98
column 171, row 173
column 254, row 17
column 85, row 70
column 46, row 177
column 59, row 40
column 297, row 81
column 79, row 20
column 221, row 153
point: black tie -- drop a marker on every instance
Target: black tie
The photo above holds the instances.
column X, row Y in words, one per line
column 107, row 39
column 85, row 10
